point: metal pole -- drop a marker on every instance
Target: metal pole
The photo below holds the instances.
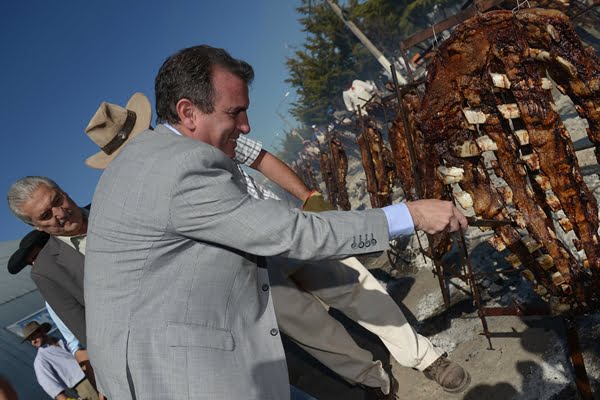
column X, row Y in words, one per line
column 365, row 40
column 581, row 378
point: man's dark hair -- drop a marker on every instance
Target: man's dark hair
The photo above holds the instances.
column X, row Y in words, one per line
column 188, row 74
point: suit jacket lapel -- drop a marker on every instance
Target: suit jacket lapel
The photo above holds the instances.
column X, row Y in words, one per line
column 72, row 261
column 67, row 255
column 64, row 266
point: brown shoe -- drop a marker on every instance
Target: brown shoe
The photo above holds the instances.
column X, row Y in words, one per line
column 448, row 374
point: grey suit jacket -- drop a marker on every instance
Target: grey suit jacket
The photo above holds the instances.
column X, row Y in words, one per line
column 58, row 274
column 177, row 307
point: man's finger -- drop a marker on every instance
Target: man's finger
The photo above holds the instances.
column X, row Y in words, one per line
column 460, row 217
column 454, row 225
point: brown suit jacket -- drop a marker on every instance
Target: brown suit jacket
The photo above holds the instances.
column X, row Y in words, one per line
column 58, row 274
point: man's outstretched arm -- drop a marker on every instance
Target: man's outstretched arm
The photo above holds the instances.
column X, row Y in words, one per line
column 281, row 174
column 430, row 215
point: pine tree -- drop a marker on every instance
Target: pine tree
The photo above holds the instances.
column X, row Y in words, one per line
column 328, row 62
column 332, row 57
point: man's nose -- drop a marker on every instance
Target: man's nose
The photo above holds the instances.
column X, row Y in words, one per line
column 59, row 213
column 244, row 124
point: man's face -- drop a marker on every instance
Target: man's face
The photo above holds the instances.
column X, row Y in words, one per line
column 52, row 211
column 223, row 126
column 37, row 340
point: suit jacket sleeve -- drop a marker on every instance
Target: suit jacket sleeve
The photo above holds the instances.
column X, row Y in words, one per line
column 68, row 309
column 209, row 203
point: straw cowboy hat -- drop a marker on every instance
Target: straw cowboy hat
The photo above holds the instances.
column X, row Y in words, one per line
column 34, row 327
column 113, row 126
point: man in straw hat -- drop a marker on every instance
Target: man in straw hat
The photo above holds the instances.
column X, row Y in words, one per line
column 57, row 371
column 178, row 300
column 301, row 298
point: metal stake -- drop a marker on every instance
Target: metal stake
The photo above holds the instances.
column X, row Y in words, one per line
column 581, row 378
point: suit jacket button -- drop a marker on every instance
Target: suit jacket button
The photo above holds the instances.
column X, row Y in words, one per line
column 265, row 287
column 274, row 332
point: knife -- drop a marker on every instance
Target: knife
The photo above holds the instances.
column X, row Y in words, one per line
column 493, row 223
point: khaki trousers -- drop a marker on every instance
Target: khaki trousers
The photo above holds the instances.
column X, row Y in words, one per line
column 85, row 390
column 302, row 293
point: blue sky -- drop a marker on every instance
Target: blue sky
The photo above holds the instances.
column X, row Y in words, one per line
column 60, row 59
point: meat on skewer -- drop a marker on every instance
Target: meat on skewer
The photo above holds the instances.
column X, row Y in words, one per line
column 488, row 114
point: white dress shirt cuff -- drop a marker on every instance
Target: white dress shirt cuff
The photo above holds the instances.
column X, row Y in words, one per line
column 399, row 220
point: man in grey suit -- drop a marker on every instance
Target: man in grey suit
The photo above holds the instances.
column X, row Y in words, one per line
column 178, row 302
column 58, row 274
column 40, row 202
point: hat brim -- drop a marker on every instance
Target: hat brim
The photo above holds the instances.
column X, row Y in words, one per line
column 140, row 105
column 17, row 262
column 43, row 327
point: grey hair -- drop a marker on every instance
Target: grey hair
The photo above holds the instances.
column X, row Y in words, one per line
column 21, row 191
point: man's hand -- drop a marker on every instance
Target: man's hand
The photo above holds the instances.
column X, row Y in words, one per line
column 317, row 203
column 435, row 216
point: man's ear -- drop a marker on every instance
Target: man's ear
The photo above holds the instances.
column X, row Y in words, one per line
column 186, row 112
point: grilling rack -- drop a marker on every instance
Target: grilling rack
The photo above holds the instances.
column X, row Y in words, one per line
column 466, row 273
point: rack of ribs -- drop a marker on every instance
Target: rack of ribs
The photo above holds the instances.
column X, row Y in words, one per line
column 328, row 177
column 431, row 185
column 488, row 114
column 339, row 165
column 378, row 165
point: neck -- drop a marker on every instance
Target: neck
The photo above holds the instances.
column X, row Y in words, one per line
column 49, row 340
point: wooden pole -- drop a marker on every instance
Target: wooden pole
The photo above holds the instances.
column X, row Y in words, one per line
column 365, row 41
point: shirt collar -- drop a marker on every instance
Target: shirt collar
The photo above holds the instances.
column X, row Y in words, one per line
column 175, row 131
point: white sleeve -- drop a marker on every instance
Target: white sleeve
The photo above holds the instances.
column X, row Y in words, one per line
column 47, row 378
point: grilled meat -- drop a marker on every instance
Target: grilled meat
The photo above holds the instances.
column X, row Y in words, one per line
column 378, row 165
column 430, row 184
column 339, row 165
column 488, row 113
